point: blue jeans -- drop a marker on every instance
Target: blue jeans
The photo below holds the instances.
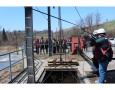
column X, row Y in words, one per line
column 102, row 70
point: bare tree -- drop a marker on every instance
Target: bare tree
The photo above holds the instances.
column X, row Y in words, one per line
column 81, row 23
column 15, row 34
column 89, row 21
column 74, row 30
column 10, row 35
column 97, row 19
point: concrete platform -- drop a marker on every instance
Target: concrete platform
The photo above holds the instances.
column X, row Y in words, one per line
column 89, row 54
column 87, row 66
column 83, row 67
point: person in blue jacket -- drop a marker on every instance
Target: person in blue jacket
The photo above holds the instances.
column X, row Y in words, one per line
column 102, row 43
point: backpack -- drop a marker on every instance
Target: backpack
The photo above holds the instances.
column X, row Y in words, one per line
column 107, row 52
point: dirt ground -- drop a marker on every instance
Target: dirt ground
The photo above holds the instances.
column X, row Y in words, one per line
column 7, row 48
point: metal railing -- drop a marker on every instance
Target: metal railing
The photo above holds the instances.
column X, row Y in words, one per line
column 12, row 63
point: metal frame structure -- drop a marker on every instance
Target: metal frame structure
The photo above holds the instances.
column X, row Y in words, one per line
column 29, row 39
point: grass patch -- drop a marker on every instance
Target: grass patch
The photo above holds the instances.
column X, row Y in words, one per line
column 109, row 26
column 41, row 56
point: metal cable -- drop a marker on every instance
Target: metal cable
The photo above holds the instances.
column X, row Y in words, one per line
column 54, row 16
column 41, row 13
column 80, row 16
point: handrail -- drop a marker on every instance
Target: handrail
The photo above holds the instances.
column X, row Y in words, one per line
column 10, row 52
column 10, row 61
column 14, row 62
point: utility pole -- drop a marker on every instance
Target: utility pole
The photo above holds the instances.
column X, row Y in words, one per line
column 29, row 44
column 60, row 32
column 49, row 33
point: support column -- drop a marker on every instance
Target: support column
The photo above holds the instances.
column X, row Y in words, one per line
column 49, row 33
column 60, row 32
column 29, row 44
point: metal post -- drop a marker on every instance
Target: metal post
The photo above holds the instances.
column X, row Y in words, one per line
column 60, row 32
column 23, row 57
column 29, row 44
column 10, row 66
column 49, row 33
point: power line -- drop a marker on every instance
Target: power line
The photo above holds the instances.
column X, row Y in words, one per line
column 80, row 16
column 54, row 17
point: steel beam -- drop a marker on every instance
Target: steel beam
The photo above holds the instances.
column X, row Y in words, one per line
column 29, row 44
column 49, row 33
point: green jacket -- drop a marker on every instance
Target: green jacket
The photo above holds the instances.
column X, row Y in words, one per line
column 102, row 43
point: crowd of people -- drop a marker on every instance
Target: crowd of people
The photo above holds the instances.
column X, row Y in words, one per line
column 41, row 45
column 62, row 45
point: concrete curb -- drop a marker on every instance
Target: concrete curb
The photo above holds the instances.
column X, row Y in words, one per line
column 83, row 75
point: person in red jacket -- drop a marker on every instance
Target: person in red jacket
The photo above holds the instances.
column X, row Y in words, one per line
column 42, row 45
column 36, row 43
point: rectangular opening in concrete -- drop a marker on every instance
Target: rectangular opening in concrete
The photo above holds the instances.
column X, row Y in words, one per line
column 59, row 76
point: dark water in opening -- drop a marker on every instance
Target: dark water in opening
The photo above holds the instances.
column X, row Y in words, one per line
column 61, row 77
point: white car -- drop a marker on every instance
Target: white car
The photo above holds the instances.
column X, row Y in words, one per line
column 112, row 40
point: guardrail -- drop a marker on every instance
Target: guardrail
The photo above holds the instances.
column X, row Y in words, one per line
column 4, row 71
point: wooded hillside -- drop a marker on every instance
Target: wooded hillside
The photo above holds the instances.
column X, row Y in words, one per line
column 16, row 37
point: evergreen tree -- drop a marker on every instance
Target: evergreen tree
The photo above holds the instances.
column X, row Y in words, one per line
column 4, row 35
